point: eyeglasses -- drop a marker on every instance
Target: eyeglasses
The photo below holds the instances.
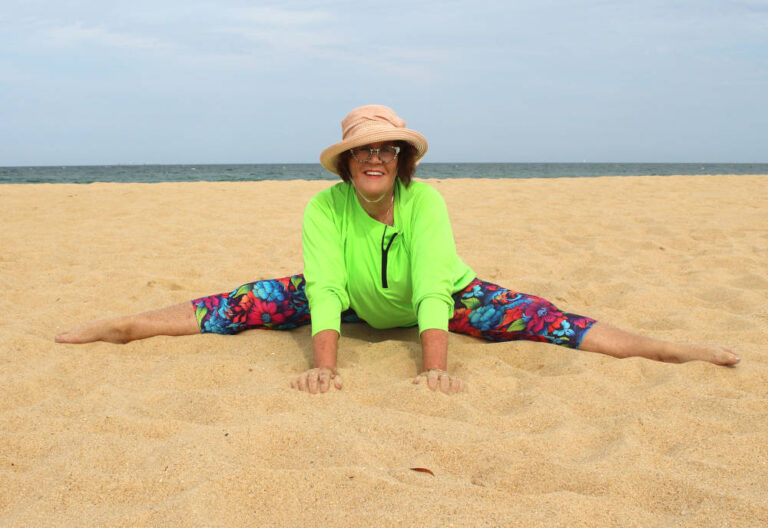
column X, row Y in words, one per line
column 386, row 153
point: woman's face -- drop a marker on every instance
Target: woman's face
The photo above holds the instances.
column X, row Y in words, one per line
column 373, row 178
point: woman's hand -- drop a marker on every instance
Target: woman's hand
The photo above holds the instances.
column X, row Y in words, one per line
column 317, row 379
column 437, row 378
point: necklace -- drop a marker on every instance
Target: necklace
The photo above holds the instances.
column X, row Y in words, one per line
column 377, row 200
column 389, row 210
column 384, row 219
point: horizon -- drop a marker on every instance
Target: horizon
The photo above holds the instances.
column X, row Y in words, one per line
column 234, row 164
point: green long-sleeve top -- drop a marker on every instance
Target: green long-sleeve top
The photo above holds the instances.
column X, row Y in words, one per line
column 347, row 263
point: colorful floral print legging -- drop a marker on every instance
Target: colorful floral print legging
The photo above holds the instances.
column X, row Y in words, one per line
column 481, row 309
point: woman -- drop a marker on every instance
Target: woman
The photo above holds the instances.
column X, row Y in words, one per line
column 379, row 248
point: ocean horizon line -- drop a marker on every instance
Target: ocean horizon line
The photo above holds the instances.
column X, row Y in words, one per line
column 150, row 173
column 234, row 163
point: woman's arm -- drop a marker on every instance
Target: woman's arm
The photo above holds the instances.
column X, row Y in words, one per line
column 325, row 272
column 434, row 268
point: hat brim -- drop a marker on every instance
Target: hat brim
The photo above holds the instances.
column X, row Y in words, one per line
column 329, row 156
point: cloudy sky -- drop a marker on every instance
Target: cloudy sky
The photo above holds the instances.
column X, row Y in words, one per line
column 101, row 82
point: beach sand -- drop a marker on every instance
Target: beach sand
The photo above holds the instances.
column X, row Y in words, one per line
column 205, row 430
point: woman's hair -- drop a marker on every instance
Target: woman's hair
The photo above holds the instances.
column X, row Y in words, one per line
column 406, row 163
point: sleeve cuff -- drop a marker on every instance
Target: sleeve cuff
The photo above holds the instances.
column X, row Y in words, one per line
column 433, row 313
column 326, row 316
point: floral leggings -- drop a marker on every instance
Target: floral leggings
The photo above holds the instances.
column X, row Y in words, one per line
column 481, row 309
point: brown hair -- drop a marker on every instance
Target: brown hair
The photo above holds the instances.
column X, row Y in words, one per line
column 406, row 163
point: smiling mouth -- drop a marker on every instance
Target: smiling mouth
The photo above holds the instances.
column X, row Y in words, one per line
column 374, row 173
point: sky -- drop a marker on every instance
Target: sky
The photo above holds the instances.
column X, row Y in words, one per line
column 101, row 82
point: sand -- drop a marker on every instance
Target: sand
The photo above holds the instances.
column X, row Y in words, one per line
column 205, row 430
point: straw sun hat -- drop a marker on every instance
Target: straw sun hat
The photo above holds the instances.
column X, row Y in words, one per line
column 371, row 124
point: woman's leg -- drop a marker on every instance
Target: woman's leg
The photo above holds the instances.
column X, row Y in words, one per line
column 494, row 313
column 276, row 304
column 489, row 311
column 615, row 342
column 175, row 320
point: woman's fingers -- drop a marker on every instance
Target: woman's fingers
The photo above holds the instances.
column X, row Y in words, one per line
column 439, row 379
column 445, row 383
column 432, row 379
column 312, row 376
column 300, row 382
column 324, row 380
column 336, row 379
column 317, row 380
column 303, row 382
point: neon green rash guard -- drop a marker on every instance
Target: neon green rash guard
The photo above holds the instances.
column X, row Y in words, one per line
column 392, row 276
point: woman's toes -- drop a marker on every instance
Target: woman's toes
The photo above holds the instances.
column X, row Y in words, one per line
column 726, row 357
column 65, row 337
column 718, row 355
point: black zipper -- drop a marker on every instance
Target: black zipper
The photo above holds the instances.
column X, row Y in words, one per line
column 384, row 253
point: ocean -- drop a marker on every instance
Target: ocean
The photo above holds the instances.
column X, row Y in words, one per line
column 314, row 171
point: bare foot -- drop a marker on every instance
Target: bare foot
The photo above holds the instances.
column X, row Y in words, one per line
column 719, row 355
column 108, row 330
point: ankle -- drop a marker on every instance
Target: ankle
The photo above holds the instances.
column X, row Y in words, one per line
column 672, row 353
